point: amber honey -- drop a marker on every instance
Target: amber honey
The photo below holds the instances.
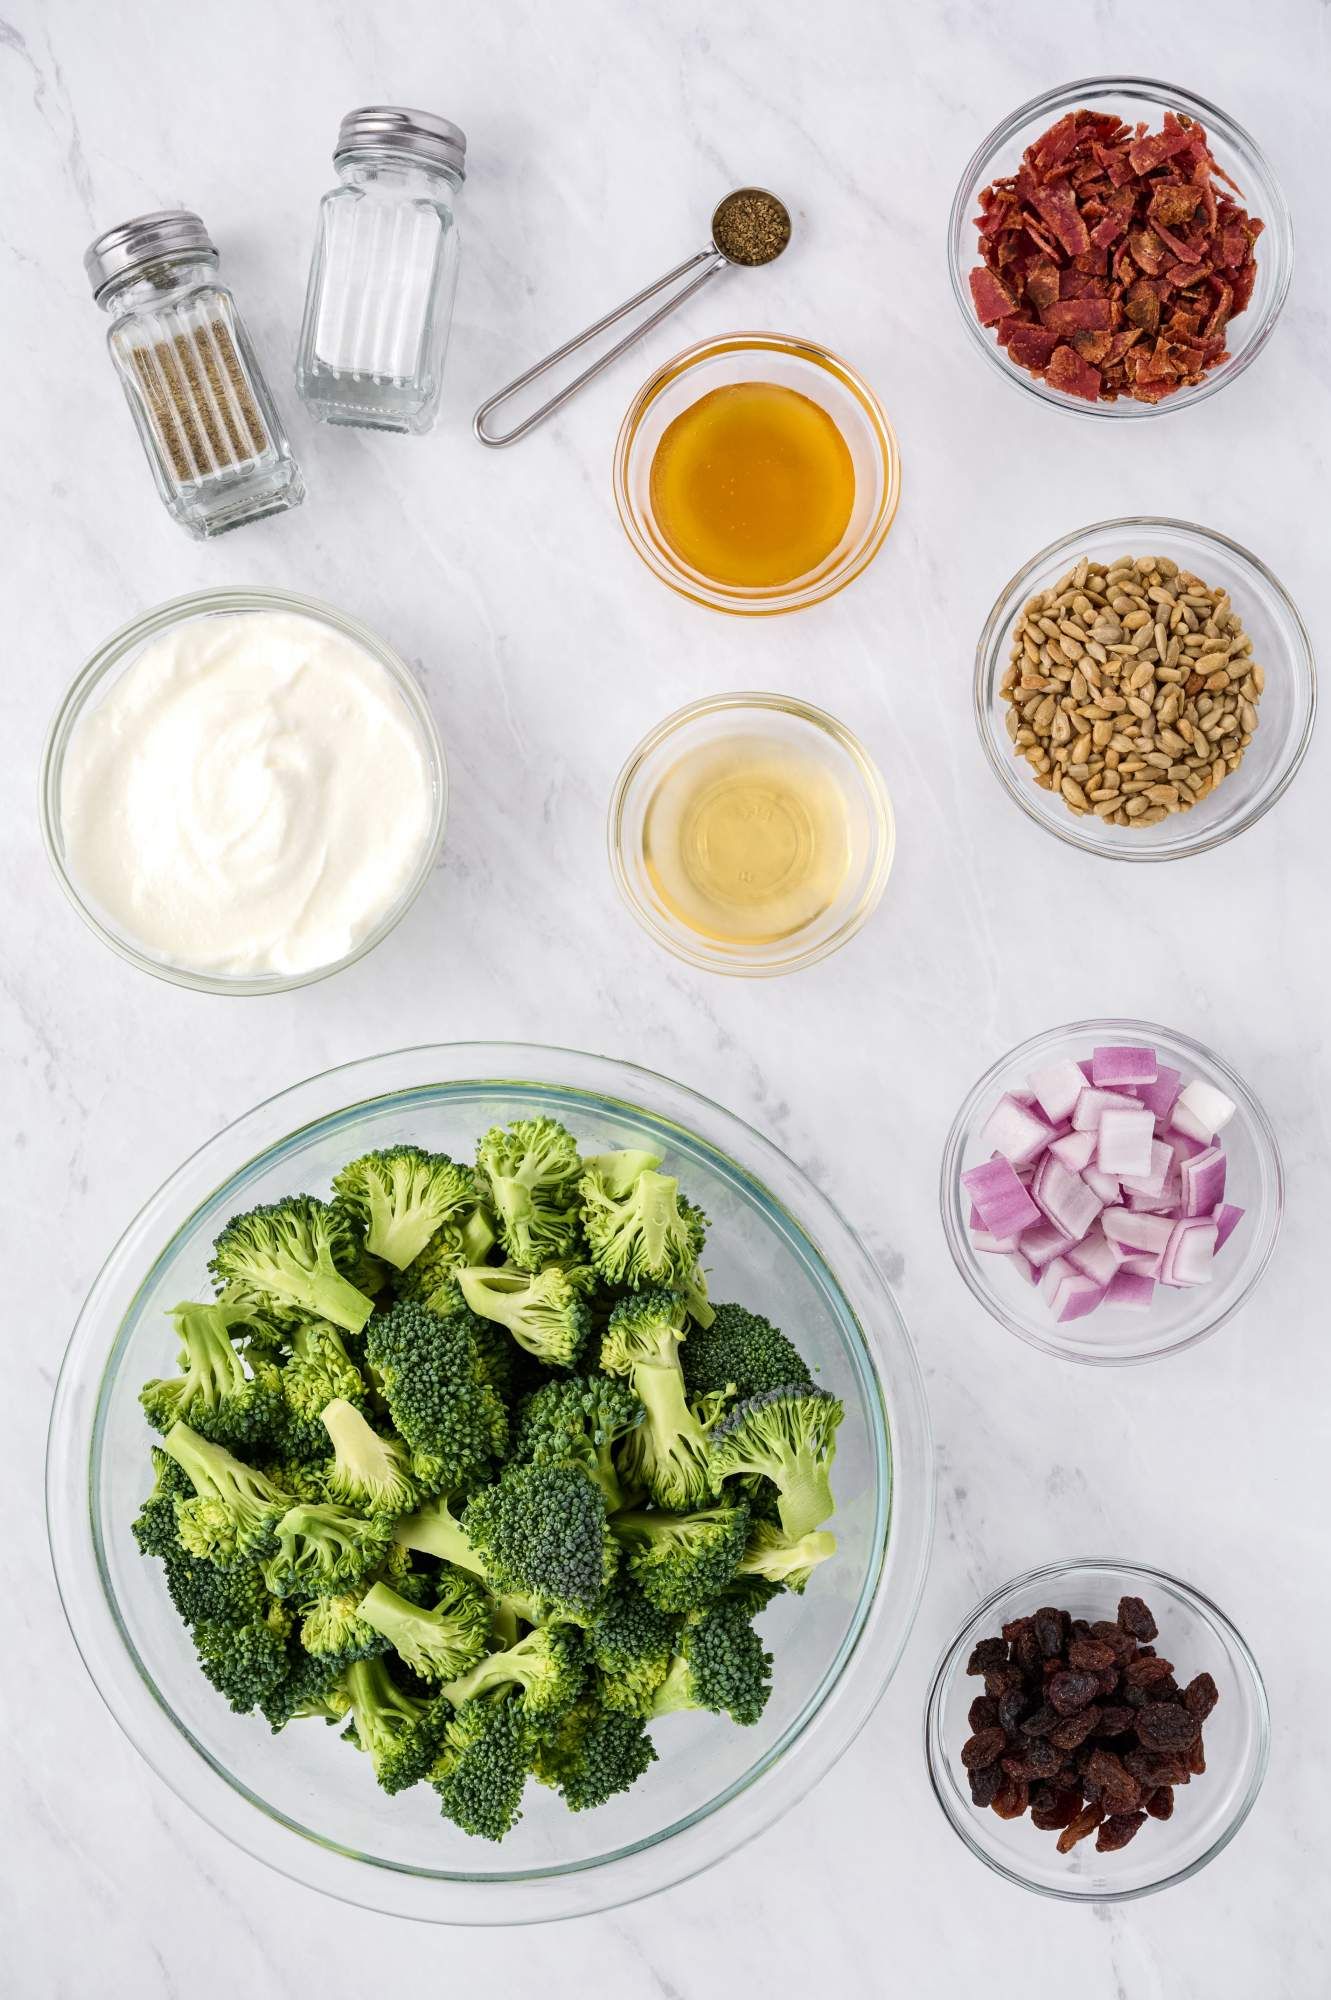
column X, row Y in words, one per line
column 753, row 485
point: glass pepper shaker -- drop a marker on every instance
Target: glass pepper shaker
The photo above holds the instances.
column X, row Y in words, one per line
column 189, row 372
column 383, row 274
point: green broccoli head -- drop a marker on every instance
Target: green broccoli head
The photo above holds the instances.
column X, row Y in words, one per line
column 333, row 1629
column 245, row 1661
column 543, row 1310
column 683, row 1562
column 324, row 1549
column 596, row 1752
column 742, row 1351
column 648, row 1235
column 721, row 1665
column 438, row 1393
column 234, row 1512
column 213, row 1373
column 290, row 1260
column 787, row 1434
column 155, row 1527
column 367, row 1471
column 531, row 1170
column 401, row 1196
column 578, row 1420
column 543, row 1673
column 631, row 1644
column 440, row 1643
column 667, row 1454
column 481, row 1771
column 773, row 1555
column 541, row 1531
column 400, row 1732
column 318, row 1370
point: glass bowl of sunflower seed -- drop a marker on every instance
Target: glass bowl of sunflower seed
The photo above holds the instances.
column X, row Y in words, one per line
column 1145, row 688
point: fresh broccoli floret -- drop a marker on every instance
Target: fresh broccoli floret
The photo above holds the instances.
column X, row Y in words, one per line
column 578, row 1420
column 434, row 1530
column 401, row 1732
column 482, row 1768
column 246, row 1662
column 648, row 1235
column 311, row 1689
column 721, row 1665
column 401, row 1196
column 616, row 1172
column 544, row 1673
column 324, row 1549
column 367, row 1471
column 235, row 1510
column 739, row 1350
column 438, row 1644
column 773, row 1555
column 288, row 1260
column 595, row 1752
column 213, row 1372
column 333, row 1628
column 544, row 1311
column 541, row 1531
column 437, row 1392
column 532, row 1171
column 667, row 1454
column 788, row 1434
column 683, row 1562
column 631, row 1644
column 155, row 1527
column 319, row 1369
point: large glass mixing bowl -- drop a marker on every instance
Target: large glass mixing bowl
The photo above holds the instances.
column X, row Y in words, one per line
column 300, row 1800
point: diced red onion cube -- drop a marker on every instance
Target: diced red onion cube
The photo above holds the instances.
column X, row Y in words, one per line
column 1095, row 1256
column 1023, row 1267
column 1137, row 1232
column 1202, row 1110
column 1015, row 1131
column 1152, row 1182
column 1158, row 1097
column 1042, row 1244
column 1130, row 1288
column 1065, row 1198
column 1125, row 1137
column 1203, row 1179
column 1075, row 1296
column 1057, row 1088
column 1113, row 1068
column 1074, row 1150
column 1227, row 1218
column 1091, row 1107
column 1103, row 1186
column 993, row 1246
column 1004, row 1206
column 1190, row 1252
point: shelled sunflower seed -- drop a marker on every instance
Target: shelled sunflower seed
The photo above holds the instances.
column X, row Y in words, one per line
column 1132, row 689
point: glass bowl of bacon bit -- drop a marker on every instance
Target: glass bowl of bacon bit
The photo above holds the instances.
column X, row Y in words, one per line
column 1120, row 247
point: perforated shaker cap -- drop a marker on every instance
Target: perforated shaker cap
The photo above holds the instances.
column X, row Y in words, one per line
column 378, row 127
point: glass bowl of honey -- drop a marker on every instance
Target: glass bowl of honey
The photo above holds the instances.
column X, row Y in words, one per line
column 751, row 834
column 757, row 473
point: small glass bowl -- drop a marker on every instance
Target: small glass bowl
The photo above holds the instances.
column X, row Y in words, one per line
column 795, row 364
column 1177, row 1319
column 119, row 653
column 1131, row 98
column 779, row 719
column 1208, row 1811
column 1285, row 713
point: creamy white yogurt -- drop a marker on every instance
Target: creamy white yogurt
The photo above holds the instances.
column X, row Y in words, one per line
column 250, row 798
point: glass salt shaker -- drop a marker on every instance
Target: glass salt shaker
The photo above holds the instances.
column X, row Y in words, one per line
column 383, row 274
column 194, row 386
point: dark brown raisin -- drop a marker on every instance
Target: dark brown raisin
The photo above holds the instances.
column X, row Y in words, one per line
column 1077, row 1829
column 1197, row 1758
column 1135, row 1618
column 1107, row 1683
column 1160, row 1803
column 1010, row 1801
column 1041, row 1722
column 999, row 1680
column 1042, row 1759
column 1113, row 1636
column 1011, row 1707
column 985, row 1784
column 1166, row 1725
column 1053, row 1809
column 988, row 1654
column 1026, row 1651
column 1118, row 1830
column 1014, row 1628
column 1200, row 1696
column 1069, row 1691
column 985, row 1747
column 1113, row 1721
column 983, row 1712
column 1091, row 1654
column 1117, row 1787
column 1147, row 1671
column 1050, row 1630
column 1074, row 1729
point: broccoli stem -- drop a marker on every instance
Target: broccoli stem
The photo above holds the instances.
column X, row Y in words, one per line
column 806, row 1496
column 660, row 1387
column 433, row 1531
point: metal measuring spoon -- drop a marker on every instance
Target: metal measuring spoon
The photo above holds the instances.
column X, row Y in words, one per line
column 750, row 227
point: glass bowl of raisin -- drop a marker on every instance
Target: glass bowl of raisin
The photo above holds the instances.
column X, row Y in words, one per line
column 1097, row 1731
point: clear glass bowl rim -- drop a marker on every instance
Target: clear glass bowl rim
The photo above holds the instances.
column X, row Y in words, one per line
column 954, row 1222
column 716, row 597
column 1279, row 232
column 110, row 655
column 989, row 666
column 880, row 806
column 937, row 1755
column 795, row 1764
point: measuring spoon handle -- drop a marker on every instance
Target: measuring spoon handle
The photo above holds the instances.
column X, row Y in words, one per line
column 711, row 261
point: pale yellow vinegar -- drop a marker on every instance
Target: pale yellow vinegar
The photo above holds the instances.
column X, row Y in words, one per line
column 748, row 841
column 753, row 485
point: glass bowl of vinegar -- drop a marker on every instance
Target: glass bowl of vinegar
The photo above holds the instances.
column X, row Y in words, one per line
column 757, row 473
column 751, row 834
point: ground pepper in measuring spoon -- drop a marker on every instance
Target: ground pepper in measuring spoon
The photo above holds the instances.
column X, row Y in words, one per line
column 750, row 227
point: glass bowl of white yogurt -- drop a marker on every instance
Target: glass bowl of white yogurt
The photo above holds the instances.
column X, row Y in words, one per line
column 243, row 791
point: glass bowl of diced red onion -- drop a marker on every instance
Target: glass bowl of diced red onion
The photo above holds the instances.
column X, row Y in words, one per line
column 1111, row 1191
column 1069, row 231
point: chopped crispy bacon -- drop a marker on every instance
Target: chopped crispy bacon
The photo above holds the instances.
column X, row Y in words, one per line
column 1113, row 259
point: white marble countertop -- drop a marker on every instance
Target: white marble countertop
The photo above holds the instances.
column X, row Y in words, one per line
column 601, row 135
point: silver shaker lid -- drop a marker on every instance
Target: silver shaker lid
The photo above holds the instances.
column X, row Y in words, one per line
column 145, row 240
column 419, row 133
